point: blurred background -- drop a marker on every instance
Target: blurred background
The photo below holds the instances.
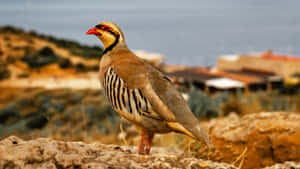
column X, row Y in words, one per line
column 193, row 32
column 232, row 60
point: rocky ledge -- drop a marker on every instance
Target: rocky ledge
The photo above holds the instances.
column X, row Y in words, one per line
column 45, row 153
column 52, row 154
column 253, row 141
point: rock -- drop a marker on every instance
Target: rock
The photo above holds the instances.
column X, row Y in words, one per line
column 256, row 140
column 286, row 165
column 47, row 153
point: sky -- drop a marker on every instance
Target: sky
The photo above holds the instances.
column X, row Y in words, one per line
column 192, row 32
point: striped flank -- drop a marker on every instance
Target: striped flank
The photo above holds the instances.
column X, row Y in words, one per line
column 129, row 101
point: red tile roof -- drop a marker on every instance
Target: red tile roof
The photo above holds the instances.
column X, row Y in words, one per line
column 242, row 78
column 270, row 55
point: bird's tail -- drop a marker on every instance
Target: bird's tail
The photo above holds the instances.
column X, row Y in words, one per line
column 197, row 133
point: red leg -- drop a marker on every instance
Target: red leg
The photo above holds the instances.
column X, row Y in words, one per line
column 145, row 143
column 141, row 145
column 149, row 138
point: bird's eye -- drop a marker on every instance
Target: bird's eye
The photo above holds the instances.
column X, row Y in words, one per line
column 103, row 27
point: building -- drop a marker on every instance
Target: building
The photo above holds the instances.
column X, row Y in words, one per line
column 281, row 65
column 215, row 80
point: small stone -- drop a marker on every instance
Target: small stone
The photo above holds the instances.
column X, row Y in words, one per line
column 117, row 148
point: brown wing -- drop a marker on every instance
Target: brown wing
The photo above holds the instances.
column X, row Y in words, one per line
column 173, row 100
column 135, row 72
column 166, row 101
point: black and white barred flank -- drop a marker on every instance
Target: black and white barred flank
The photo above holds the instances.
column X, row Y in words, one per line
column 123, row 99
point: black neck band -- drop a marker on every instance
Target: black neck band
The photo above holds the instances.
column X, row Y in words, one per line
column 112, row 45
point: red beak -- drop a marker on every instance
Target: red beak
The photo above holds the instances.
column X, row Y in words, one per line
column 92, row 31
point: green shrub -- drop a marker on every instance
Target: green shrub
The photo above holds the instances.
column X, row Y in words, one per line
column 11, row 59
column 46, row 51
column 64, row 63
column 43, row 57
column 23, row 75
column 288, row 89
column 33, row 33
column 7, row 112
column 36, row 122
column 38, row 61
column 233, row 105
column 202, row 105
column 80, row 67
column 11, row 29
column 4, row 71
column 15, row 48
column 94, row 68
column 6, row 38
column 74, row 47
column 87, row 52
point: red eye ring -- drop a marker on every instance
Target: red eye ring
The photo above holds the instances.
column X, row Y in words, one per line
column 103, row 27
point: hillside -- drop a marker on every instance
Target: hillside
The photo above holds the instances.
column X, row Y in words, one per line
column 31, row 54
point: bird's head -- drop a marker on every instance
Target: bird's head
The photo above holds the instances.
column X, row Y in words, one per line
column 110, row 35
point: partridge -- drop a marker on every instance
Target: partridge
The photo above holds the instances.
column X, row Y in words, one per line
column 140, row 93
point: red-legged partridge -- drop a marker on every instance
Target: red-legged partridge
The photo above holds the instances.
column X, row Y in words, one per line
column 140, row 93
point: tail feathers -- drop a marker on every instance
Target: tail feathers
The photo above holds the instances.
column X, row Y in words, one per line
column 197, row 133
column 179, row 128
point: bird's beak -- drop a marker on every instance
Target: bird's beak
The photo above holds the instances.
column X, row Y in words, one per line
column 93, row 31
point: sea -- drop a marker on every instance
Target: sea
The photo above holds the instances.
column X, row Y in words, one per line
column 190, row 32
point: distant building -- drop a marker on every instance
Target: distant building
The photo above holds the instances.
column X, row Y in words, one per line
column 216, row 80
column 282, row 65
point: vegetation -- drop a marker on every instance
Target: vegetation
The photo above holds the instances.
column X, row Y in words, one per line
column 27, row 49
column 90, row 53
column 4, row 72
column 223, row 103
column 59, row 110
column 42, row 58
column 85, row 51
column 202, row 105
column 64, row 63
column 10, row 29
